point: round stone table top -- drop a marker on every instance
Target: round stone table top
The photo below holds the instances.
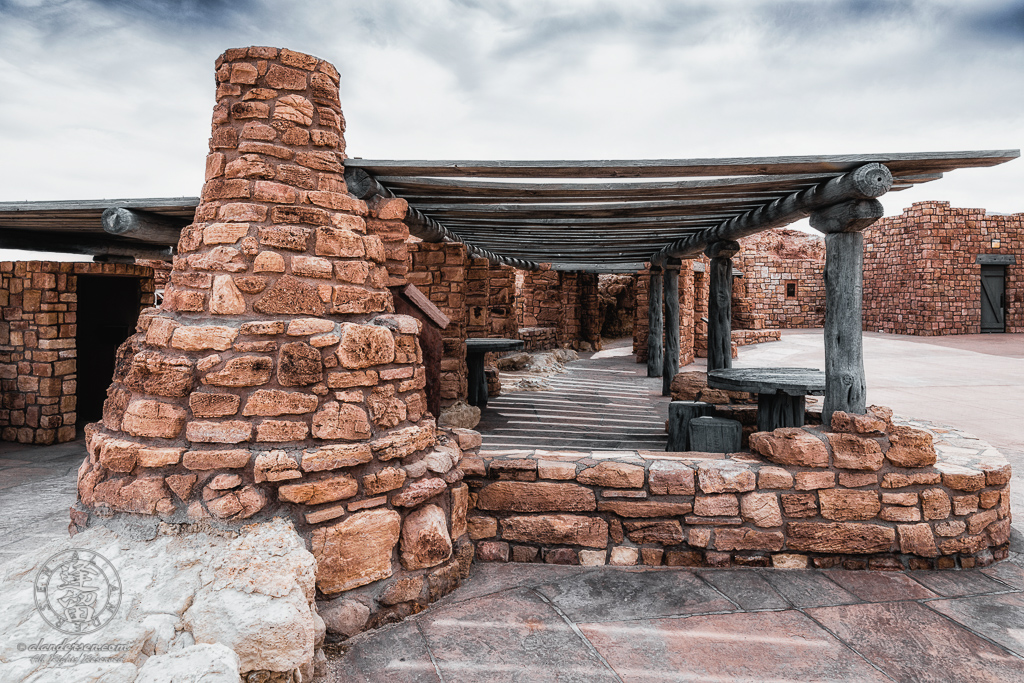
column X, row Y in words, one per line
column 474, row 345
column 792, row 381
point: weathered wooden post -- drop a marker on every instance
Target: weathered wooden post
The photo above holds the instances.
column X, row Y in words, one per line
column 845, row 387
column 671, row 364
column 720, row 303
column 654, row 324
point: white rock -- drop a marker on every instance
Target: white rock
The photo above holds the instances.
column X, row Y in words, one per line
column 206, row 663
column 459, row 414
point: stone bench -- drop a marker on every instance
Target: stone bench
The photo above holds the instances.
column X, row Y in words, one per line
column 869, row 494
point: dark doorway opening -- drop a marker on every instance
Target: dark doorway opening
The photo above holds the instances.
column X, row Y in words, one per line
column 108, row 308
column 993, row 298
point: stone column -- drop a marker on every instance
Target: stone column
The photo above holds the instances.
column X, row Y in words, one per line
column 655, row 357
column 845, row 388
column 720, row 303
column 670, row 366
column 276, row 379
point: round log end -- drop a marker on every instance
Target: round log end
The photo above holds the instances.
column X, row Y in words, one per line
column 871, row 180
column 118, row 220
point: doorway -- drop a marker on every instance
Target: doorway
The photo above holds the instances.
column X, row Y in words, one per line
column 108, row 309
column 993, row 298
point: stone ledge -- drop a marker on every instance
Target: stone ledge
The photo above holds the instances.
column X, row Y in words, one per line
column 701, row 509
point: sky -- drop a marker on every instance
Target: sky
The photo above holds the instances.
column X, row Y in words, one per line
column 113, row 98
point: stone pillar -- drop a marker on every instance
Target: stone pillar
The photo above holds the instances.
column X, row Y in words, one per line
column 276, row 379
column 590, row 311
column 845, row 387
column 670, row 366
column 720, row 303
column 655, row 357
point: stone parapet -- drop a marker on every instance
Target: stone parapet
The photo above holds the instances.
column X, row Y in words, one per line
column 695, row 509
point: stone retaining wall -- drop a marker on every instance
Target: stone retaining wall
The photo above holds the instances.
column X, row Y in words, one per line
column 38, row 348
column 869, row 494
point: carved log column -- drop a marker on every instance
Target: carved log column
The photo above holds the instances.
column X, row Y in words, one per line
column 276, row 379
column 670, row 366
column 720, row 303
column 654, row 324
column 845, row 387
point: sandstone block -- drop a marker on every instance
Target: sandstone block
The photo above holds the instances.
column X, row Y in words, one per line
column 989, row 499
column 326, row 490
column 341, row 421
column 953, row 527
column 593, row 558
column 898, row 480
column 854, row 423
column 335, row 456
column 853, row 452
column 225, row 298
column 242, row 371
column 789, row 561
column 790, row 446
column 844, row 504
column 762, row 509
column 214, row 460
column 852, row 480
column 306, row 326
column 909, row 447
column 591, row 532
column 419, row 491
column 268, row 262
column 181, row 484
column 155, row 373
column 356, row 551
column 338, row 242
column 967, row 545
column 203, row 338
column 478, row 526
column 850, row 538
column 714, row 478
column 274, row 402
column 961, row 478
column 555, row 469
column 623, row 556
column 665, row 532
column 613, row 475
column 492, row 551
column 119, row 456
column 385, row 408
column 627, row 508
column 403, row 442
column 904, row 499
column 979, row 522
column 153, row 418
column 403, row 590
column 365, row 345
column 231, row 431
column 917, row 539
column 460, row 508
column 748, row 539
column 387, row 479
column 900, row 514
column 809, row 481
column 800, row 504
column 683, row 558
column 290, row 296
column 275, row 466
column 774, row 478
column 965, row 505
column 996, row 473
column 158, row 457
column 514, row 496
column 425, row 540
column 270, row 431
column 669, row 477
column 725, row 504
column 999, row 532
column 213, row 405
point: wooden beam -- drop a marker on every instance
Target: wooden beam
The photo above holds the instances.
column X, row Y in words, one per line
column 918, row 162
column 37, row 242
column 868, row 181
column 365, row 186
column 720, row 304
column 655, row 358
column 670, row 366
column 141, row 225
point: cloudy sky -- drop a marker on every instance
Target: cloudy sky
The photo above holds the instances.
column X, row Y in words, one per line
column 112, row 98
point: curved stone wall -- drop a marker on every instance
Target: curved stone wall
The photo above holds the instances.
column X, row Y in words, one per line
column 867, row 494
column 276, row 378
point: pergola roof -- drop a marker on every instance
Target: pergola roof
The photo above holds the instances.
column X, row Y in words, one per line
column 614, row 215
column 576, row 215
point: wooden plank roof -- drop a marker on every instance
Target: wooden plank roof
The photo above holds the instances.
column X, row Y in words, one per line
column 602, row 214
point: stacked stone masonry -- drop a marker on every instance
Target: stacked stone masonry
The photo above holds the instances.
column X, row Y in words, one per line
column 275, row 379
column 920, row 271
column 689, row 289
column 38, row 349
column 870, row 493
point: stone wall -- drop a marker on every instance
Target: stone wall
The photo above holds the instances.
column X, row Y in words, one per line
column 38, row 349
column 920, row 275
column 439, row 270
column 549, row 299
column 275, row 379
column 783, row 283
column 868, row 494
column 490, row 298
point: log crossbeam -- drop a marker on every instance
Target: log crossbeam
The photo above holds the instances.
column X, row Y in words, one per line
column 365, row 186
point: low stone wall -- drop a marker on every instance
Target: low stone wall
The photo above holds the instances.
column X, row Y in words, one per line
column 539, row 338
column 868, row 494
column 748, row 337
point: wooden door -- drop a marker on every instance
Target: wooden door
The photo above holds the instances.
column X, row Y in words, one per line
column 993, row 298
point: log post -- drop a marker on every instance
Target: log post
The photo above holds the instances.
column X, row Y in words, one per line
column 845, row 386
column 654, row 322
column 671, row 364
column 720, row 303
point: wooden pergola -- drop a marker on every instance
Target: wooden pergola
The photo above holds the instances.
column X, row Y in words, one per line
column 591, row 216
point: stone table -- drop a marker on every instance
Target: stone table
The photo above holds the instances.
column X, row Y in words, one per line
column 780, row 391
column 476, row 349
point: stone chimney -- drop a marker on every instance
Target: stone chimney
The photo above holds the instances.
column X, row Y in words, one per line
column 276, row 379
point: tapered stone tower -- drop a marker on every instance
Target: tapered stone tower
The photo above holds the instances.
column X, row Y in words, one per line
column 275, row 379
